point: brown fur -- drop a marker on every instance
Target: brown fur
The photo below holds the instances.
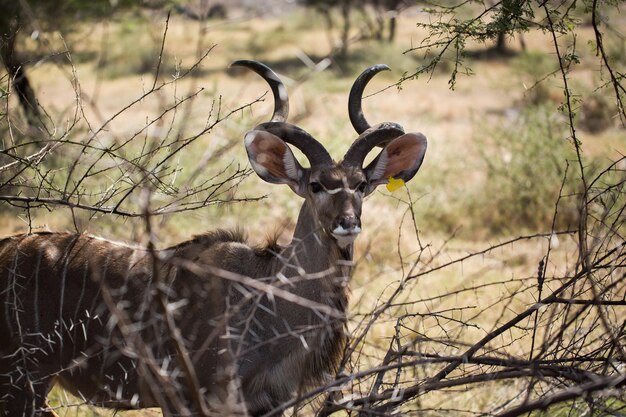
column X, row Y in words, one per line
column 51, row 293
column 90, row 312
column 211, row 318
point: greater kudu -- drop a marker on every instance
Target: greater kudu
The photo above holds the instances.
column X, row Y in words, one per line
column 211, row 319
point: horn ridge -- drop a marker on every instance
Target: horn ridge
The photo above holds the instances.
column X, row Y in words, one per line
column 369, row 137
column 355, row 111
column 279, row 91
column 377, row 135
column 291, row 134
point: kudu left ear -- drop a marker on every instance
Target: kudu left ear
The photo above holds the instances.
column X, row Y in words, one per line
column 400, row 159
column 273, row 161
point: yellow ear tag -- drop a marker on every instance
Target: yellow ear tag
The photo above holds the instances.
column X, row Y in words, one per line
column 394, row 184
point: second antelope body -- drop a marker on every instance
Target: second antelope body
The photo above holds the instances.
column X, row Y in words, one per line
column 212, row 325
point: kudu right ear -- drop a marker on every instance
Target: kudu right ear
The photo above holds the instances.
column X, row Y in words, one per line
column 273, row 161
column 400, row 159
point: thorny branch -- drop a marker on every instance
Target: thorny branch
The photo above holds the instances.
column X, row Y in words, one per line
column 565, row 348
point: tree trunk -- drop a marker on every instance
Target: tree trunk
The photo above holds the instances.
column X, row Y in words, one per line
column 392, row 28
column 500, row 47
column 345, row 13
column 393, row 10
column 21, row 85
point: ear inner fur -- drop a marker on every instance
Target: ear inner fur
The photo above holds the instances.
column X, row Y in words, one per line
column 400, row 159
column 271, row 158
column 403, row 154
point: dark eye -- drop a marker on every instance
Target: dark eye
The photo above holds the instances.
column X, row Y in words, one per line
column 361, row 187
column 316, row 187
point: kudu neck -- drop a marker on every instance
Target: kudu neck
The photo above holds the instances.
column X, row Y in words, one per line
column 316, row 250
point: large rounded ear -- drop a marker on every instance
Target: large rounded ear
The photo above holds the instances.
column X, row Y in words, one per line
column 273, row 161
column 400, row 159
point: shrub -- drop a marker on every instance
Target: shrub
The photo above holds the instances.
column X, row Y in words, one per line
column 525, row 163
column 533, row 69
column 508, row 182
column 597, row 114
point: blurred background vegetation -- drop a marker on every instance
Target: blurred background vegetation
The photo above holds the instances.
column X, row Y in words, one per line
column 502, row 116
column 126, row 94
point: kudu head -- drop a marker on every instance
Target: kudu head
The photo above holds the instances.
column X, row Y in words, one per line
column 333, row 190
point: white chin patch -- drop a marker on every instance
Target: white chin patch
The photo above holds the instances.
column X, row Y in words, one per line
column 345, row 237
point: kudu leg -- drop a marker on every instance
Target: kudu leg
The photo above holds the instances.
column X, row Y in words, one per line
column 22, row 392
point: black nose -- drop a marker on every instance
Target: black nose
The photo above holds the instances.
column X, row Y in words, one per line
column 349, row 222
